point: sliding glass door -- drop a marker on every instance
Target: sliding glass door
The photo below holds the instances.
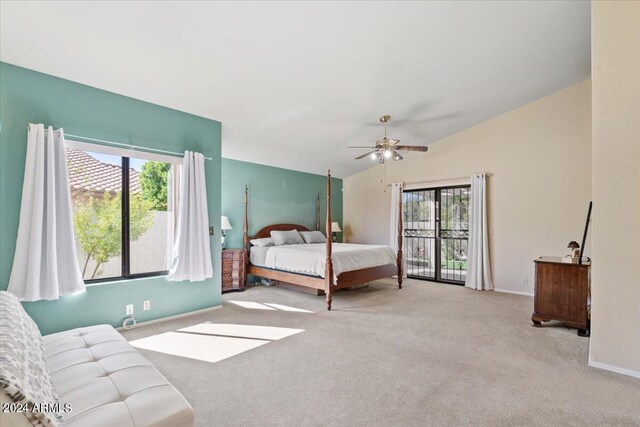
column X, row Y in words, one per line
column 436, row 231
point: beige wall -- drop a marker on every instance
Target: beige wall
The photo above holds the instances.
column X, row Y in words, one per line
column 539, row 158
column 615, row 339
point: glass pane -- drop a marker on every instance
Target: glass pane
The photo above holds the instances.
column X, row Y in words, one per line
column 95, row 181
column 151, row 215
column 454, row 233
column 419, row 229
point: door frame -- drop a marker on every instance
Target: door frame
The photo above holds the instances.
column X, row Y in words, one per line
column 437, row 238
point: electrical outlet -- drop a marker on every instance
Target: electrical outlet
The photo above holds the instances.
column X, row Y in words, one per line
column 525, row 282
column 146, row 305
column 129, row 309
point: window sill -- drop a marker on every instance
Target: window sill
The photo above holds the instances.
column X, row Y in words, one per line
column 127, row 279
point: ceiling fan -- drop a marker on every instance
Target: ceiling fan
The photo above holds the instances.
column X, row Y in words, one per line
column 387, row 148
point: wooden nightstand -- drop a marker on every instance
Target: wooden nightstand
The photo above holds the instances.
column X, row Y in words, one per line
column 233, row 269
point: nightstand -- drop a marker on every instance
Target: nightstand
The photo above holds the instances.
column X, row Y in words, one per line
column 233, row 269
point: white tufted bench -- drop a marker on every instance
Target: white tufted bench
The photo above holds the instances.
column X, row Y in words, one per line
column 105, row 380
column 109, row 383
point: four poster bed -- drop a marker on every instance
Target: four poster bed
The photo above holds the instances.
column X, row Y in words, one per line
column 320, row 266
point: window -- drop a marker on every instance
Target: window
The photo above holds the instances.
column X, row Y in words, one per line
column 123, row 211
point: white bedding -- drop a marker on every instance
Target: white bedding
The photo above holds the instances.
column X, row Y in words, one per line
column 310, row 258
column 258, row 255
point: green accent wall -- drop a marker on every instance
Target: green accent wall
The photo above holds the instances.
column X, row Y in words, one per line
column 275, row 196
column 30, row 97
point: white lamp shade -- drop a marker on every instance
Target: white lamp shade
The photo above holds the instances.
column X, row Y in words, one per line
column 225, row 224
column 335, row 228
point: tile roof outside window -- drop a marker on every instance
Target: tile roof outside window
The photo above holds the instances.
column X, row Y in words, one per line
column 89, row 174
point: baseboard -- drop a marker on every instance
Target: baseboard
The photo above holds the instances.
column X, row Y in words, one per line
column 174, row 317
column 509, row 291
column 623, row 371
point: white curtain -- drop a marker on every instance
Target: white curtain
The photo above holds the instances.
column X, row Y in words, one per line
column 45, row 265
column 478, row 269
column 396, row 194
column 192, row 250
column 396, row 197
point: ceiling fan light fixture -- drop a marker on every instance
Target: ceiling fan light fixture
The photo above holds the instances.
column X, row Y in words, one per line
column 387, row 148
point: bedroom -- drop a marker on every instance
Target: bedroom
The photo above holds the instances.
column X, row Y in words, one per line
column 540, row 98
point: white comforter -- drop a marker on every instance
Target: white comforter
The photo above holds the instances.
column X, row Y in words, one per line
column 310, row 258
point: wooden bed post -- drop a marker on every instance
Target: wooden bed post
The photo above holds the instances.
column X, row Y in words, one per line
column 328, row 271
column 318, row 212
column 245, row 227
column 399, row 257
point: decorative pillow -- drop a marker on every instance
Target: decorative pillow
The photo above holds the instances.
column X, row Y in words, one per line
column 313, row 236
column 23, row 369
column 286, row 237
column 267, row 241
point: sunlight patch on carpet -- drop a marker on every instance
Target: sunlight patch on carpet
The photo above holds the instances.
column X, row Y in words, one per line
column 269, row 306
column 206, row 348
column 287, row 308
column 242, row 331
column 253, row 305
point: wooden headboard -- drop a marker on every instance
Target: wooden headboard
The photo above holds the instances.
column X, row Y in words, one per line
column 266, row 231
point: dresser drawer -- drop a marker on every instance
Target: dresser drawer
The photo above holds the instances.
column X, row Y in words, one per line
column 231, row 254
column 233, row 269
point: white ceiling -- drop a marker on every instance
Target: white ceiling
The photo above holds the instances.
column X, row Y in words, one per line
column 294, row 83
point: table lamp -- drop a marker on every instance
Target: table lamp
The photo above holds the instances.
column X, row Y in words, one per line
column 224, row 225
column 335, row 228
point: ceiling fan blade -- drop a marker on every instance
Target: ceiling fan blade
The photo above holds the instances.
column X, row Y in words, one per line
column 365, row 155
column 361, row 146
column 411, row 148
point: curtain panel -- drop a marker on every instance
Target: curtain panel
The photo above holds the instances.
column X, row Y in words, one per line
column 478, row 267
column 45, row 264
column 192, row 250
column 396, row 194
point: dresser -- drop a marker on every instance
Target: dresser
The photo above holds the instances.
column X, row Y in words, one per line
column 234, row 262
column 562, row 293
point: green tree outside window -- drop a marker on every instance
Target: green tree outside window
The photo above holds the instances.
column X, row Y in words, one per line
column 98, row 226
column 153, row 183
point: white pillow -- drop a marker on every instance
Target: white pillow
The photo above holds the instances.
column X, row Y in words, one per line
column 286, row 237
column 313, row 236
column 267, row 241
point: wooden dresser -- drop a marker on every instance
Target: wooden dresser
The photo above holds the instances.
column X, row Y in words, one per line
column 562, row 293
column 233, row 269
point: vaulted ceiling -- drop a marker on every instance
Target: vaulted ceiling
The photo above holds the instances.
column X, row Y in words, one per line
column 295, row 83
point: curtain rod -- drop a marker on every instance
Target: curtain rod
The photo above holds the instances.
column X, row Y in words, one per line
column 442, row 180
column 129, row 146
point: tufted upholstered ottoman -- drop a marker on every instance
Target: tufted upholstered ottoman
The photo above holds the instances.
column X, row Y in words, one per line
column 109, row 383
column 104, row 379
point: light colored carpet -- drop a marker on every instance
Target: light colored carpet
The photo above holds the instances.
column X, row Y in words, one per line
column 429, row 354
